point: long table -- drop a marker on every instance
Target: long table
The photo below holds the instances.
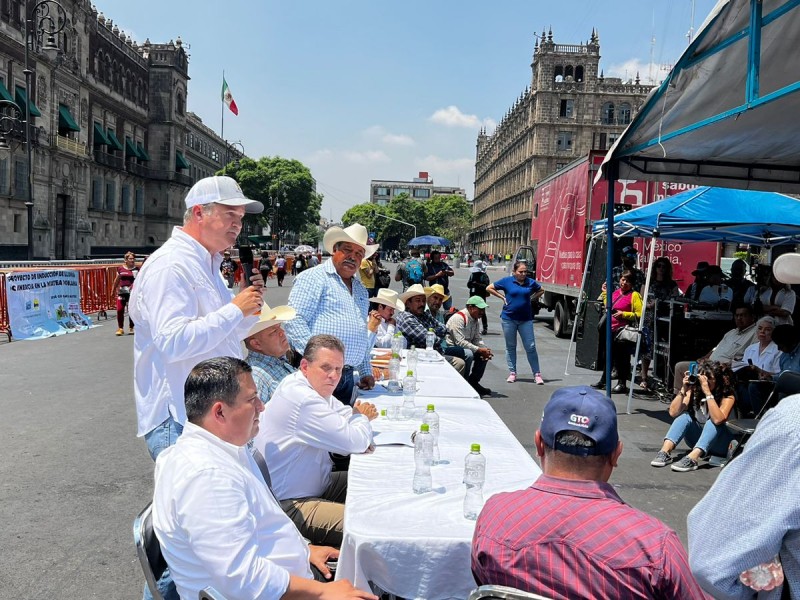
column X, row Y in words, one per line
column 418, row 546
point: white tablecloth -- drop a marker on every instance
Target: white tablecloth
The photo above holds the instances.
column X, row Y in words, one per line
column 435, row 379
column 418, row 546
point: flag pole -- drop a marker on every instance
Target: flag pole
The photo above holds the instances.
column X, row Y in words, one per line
column 222, row 108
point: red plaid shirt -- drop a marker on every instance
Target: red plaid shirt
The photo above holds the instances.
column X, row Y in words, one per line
column 573, row 539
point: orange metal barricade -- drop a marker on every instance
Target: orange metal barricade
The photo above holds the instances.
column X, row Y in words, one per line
column 4, row 323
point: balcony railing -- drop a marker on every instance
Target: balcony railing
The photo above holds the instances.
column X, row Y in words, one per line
column 171, row 176
column 108, row 160
column 71, row 146
column 137, row 169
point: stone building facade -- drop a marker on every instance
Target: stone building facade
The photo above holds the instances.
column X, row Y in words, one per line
column 569, row 109
column 110, row 139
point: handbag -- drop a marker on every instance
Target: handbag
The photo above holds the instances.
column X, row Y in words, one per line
column 629, row 333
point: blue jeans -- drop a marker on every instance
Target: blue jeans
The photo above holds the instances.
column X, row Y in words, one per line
column 161, row 438
column 525, row 330
column 710, row 438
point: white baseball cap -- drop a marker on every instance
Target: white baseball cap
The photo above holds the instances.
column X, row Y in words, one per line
column 220, row 189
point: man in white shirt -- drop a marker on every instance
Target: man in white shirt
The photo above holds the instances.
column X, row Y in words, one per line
column 215, row 518
column 381, row 323
column 301, row 425
column 183, row 310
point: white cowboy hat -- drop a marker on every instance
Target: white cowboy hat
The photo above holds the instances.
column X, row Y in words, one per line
column 355, row 234
column 389, row 298
column 413, row 290
column 436, row 288
column 787, row 268
column 271, row 316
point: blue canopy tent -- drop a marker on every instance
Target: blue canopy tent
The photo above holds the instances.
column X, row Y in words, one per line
column 725, row 115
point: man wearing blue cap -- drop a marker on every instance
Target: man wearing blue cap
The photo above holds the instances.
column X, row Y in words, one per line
column 628, row 258
column 570, row 535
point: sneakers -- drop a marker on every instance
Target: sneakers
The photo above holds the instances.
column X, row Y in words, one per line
column 662, row 459
column 120, row 332
column 130, row 330
column 685, row 464
column 512, row 377
column 537, row 377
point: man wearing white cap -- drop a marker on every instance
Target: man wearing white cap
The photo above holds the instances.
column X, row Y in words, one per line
column 183, row 310
column 381, row 323
column 267, row 346
column 331, row 299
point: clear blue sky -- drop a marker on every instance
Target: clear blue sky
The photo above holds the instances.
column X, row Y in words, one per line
column 371, row 89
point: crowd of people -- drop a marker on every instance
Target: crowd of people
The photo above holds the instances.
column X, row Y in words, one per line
column 250, row 412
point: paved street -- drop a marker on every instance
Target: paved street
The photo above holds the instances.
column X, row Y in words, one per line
column 74, row 474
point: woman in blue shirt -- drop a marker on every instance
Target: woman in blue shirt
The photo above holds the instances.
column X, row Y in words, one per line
column 516, row 292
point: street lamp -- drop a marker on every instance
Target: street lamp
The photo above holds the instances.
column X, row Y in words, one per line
column 232, row 146
column 44, row 21
column 10, row 116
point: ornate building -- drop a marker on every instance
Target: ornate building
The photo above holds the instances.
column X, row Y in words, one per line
column 569, row 109
column 110, row 137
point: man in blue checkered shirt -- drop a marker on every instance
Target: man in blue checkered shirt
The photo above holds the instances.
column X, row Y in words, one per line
column 330, row 299
column 267, row 346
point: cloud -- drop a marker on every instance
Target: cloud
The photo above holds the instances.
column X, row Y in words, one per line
column 627, row 71
column 366, row 157
column 319, row 156
column 453, row 117
column 436, row 164
column 388, row 138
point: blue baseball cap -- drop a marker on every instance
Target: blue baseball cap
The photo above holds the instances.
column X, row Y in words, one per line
column 585, row 410
column 629, row 251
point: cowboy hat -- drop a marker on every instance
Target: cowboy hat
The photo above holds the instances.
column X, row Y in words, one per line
column 271, row 316
column 787, row 268
column 414, row 290
column 389, row 298
column 355, row 234
column 702, row 267
column 436, row 288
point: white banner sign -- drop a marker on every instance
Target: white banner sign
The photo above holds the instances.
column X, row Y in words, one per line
column 44, row 303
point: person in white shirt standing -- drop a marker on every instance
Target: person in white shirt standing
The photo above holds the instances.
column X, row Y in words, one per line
column 216, row 520
column 301, row 425
column 183, row 309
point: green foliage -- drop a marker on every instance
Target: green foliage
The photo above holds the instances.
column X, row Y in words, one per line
column 446, row 216
column 311, row 235
column 743, row 254
column 273, row 180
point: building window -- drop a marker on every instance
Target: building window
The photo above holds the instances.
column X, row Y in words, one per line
column 612, row 137
column 20, row 179
column 121, row 230
column 383, row 202
column 107, row 230
column 624, row 114
column 422, row 193
column 564, row 141
column 97, row 194
column 397, row 191
column 559, row 166
column 3, row 176
column 558, row 74
column 111, row 189
column 579, row 73
column 17, row 223
column 607, row 114
column 567, row 108
column 139, row 201
column 125, row 199
column 381, row 191
column 136, row 231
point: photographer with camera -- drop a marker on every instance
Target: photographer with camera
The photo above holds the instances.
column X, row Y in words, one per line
column 700, row 409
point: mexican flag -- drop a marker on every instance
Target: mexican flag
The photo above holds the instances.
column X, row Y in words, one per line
column 227, row 97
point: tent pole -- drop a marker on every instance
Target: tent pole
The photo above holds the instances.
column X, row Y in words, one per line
column 582, row 301
column 612, row 180
column 645, row 293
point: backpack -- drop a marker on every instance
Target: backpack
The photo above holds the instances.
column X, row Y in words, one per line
column 414, row 271
column 478, row 283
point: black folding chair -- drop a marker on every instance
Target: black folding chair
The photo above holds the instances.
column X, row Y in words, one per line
column 148, row 550
column 786, row 384
column 210, row 593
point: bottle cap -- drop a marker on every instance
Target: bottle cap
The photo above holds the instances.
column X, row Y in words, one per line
column 424, row 427
column 431, row 407
column 430, row 329
column 383, row 412
column 409, row 373
column 475, row 448
column 395, row 355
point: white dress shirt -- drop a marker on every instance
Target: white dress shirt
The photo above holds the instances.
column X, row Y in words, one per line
column 383, row 336
column 298, row 430
column 784, row 299
column 713, row 294
column 768, row 360
column 219, row 525
column 183, row 315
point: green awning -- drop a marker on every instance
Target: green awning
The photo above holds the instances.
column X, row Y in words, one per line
column 112, row 137
column 180, row 161
column 100, row 138
column 65, row 120
column 130, row 149
column 22, row 97
column 142, row 152
column 4, row 93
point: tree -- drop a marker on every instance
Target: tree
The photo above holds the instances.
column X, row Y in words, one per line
column 311, row 235
column 450, row 217
column 274, row 181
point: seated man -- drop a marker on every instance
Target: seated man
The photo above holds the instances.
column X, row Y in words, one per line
column 787, row 338
column 435, row 297
column 300, row 427
column 215, row 518
column 267, row 346
column 578, row 539
column 381, row 323
column 414, row 323
column 464, row 331
column 730, row 349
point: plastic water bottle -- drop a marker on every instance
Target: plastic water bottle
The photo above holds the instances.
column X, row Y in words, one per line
column 474, row 477
column 356, row 381
column 411, row 359
column 423, row 456
column 431, row 419
column 397, row 343
column 394, row 374
column 430, row 342
column 409, row 394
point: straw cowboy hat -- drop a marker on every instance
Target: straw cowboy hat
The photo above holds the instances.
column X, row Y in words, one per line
column 786, row 268
column 270, row 317
column 389, row 298
column 414, row 290
column 355, row 234
column 437, row 288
